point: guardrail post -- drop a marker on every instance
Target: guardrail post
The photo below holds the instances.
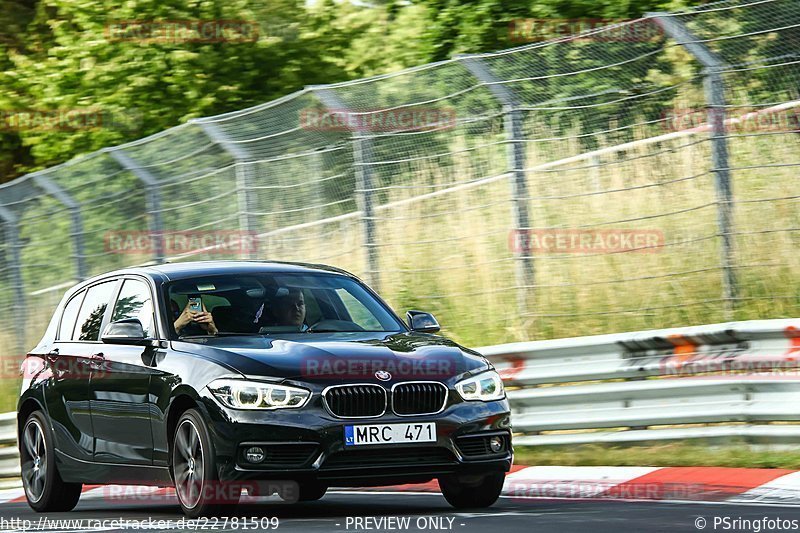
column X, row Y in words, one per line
column 512, row 118
column 76, row 220
column 152, row 198
column 14, row 260
column 362, row 161
column 714, row 86
column 245, row 174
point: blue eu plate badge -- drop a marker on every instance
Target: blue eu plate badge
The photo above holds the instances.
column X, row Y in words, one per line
column 390, row 433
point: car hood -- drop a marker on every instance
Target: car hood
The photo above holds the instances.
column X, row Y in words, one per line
column 340, row 357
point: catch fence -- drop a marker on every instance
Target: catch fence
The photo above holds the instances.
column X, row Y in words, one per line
column 640, row 175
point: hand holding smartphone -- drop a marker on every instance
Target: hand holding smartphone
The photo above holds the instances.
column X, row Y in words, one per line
column 195, row 304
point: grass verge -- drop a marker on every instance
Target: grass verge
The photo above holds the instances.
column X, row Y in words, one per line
column 733, row 454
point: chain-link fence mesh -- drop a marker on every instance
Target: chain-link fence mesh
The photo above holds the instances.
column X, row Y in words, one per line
column 592, row 134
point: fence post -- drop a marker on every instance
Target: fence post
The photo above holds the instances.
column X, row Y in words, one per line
column 317, row 172
column 594, row 173
column 515, row 156
column 14, row 261
column 244, row 172
column 152, row 198
column 362, row 161
column 76, row 220
column 714, row 88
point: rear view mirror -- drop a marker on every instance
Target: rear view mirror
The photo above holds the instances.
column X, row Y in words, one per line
column 128, row 331
column 422, row 322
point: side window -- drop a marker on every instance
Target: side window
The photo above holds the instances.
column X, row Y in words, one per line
column 134, row 302
column 210, row 301
column 94, row 306
column 68, row 317
column 358, row 312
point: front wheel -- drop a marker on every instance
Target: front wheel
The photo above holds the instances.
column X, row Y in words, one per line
column 44, row 488
column 199, row 491
column 463, row 495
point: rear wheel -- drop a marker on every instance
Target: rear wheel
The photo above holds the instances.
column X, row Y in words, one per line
column 44, row 488
column 463, row 495
column 199, row 491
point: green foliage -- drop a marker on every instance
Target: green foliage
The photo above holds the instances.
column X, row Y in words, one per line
column 63, row 56
column 60, row 55
column 459, row 26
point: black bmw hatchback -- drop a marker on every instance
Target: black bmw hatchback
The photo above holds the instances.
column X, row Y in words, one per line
column 219, row 377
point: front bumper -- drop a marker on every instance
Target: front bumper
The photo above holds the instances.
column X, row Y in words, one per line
column 322, row 456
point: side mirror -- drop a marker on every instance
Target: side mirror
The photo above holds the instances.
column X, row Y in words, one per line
column 128, row 331
column 421, row 321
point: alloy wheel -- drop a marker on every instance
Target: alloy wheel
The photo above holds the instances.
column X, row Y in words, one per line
column 34, row 460
column 187, row 464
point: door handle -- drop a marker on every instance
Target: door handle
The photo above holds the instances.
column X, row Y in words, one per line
column 98, row 359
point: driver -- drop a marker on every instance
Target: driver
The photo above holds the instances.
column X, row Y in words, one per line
column 288, row 309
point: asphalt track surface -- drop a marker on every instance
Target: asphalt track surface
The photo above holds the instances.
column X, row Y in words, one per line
column 340, row 511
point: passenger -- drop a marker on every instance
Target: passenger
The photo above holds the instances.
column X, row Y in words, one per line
column 192, row 322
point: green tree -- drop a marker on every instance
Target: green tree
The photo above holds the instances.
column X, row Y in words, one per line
column 60, row 55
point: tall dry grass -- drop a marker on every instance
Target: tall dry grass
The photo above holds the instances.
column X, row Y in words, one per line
column 449, row 254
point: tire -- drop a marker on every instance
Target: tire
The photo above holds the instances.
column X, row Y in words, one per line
column 44, row 488
column 193, row 463
column 310, row 492
column 472, row 495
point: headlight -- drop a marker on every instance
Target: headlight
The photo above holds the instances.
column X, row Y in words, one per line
column 241, row 394
column 484, row 387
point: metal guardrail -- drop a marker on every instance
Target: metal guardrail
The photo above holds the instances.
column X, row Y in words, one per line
column 719, row 381
column 9, row 455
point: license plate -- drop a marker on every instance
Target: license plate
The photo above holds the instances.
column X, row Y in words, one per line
column 390, row 433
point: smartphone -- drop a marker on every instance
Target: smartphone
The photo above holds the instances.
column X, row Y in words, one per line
column 195, row 304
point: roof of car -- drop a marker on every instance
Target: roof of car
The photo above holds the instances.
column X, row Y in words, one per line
column 204, row 268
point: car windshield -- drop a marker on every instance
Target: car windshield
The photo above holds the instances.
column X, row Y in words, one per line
column 275, row 304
